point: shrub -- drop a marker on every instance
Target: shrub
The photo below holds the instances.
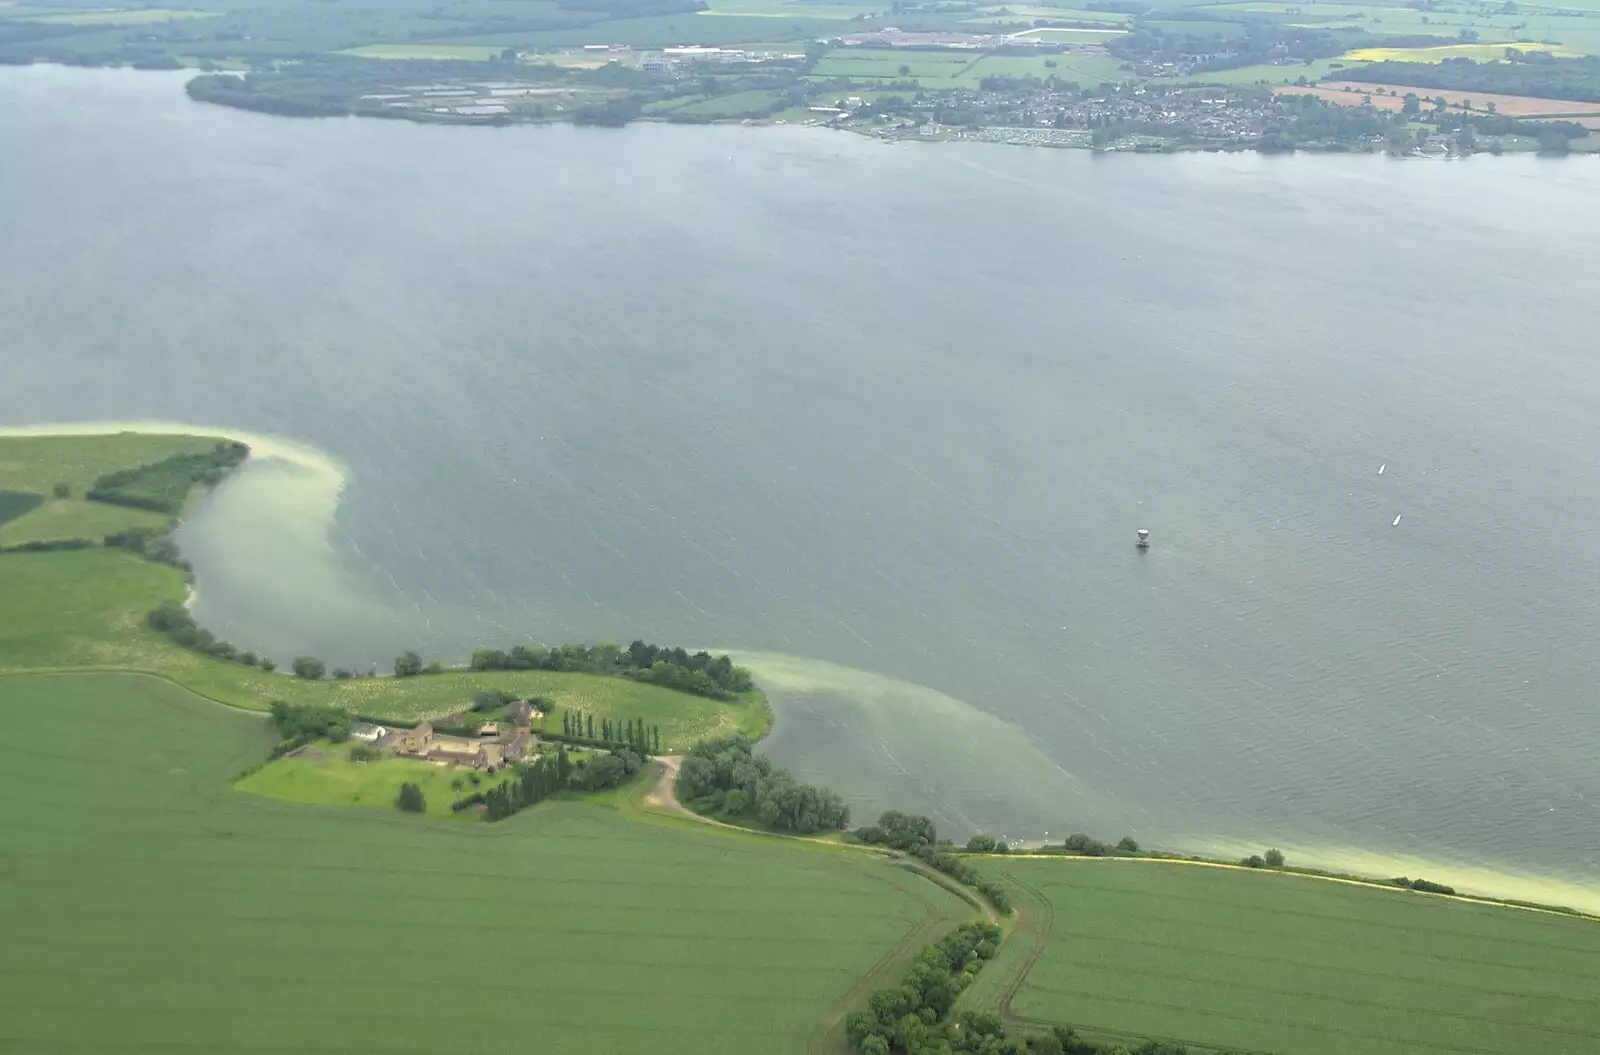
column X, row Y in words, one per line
column 1254, row 861
column 62, row 490
column 411, row 799
column 309, row 667
column 1127, row 845
column 365, row 753
column 1273, row 858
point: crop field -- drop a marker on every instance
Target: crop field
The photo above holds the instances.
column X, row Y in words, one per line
column 1360, row 93
column 1268, row 962
column 150, row 907
column 1479, row 52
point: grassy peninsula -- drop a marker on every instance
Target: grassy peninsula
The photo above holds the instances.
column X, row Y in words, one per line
column 614, row 903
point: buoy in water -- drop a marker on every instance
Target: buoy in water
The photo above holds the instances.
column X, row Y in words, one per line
column 1144, row 538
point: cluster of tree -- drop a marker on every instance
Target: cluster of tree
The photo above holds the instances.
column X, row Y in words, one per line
column 411, row 799
column 531, row 784
column 165, row 485
column 987, row 844
column 917, row 836
column 580, row 725
column 1270, row 859
column 1082, row 845
column 1423, row 886
column 914, row 1016
column 726, row 778
column 366, row 753
column 603, row 772
column 1207, row 49
column 150, row 543
column 1304, row 120
column 301, row 723
column 174, row 620
column 699, row 673
column 1519, row 73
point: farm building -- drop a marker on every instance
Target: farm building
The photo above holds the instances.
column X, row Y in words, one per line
column 367, row 732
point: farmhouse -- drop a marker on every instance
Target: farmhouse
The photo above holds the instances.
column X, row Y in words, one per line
column 367, row 732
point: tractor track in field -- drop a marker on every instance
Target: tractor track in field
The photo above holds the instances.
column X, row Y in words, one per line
column 1041, row 937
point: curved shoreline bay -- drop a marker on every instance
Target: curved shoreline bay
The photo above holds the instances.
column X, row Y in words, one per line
column 884, row 421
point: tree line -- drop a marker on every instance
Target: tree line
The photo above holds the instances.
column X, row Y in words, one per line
column 727, row 779
column 916, row 835
column 699, row 673
column 173, row 619
column 164, row 486
column 299, row 724
column 1535, row 73
column 914, row 1017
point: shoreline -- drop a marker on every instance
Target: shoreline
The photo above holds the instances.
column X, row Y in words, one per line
column 1483, row 885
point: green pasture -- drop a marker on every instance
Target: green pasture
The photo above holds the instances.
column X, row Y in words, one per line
column 151, row 907
column 1269, row 962
column 324, row 776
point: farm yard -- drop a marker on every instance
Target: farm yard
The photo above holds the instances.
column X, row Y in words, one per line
column 1268, row 962
column 240, row 921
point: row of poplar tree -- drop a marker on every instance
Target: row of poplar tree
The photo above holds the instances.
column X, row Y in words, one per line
column 646, row 739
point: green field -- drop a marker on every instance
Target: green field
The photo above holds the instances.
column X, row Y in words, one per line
column 1268, row 962
column 150, row 907
column 37, row 463
column 325, row 776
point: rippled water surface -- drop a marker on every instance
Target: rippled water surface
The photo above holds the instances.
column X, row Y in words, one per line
column 884, row 419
